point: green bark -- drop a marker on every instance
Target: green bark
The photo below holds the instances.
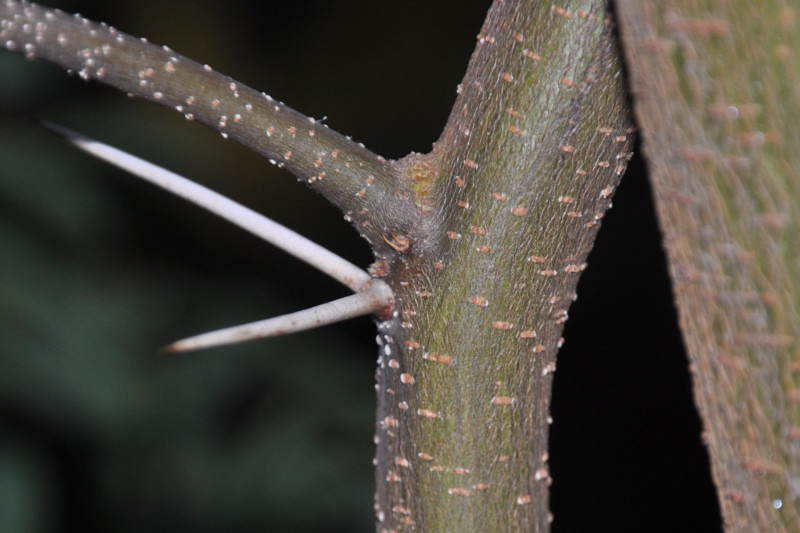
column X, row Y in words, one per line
column 518, row 181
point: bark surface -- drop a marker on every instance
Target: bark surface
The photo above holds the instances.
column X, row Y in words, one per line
column 715, row 92
column 509, row 202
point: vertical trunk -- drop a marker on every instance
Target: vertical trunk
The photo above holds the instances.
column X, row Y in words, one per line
column 508, row 203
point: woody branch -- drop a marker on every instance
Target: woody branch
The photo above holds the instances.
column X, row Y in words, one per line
column 362, row 184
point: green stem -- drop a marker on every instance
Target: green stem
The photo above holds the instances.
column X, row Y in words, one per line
column 512, row 196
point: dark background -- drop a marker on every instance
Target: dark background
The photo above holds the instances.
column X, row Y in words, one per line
column 99, row 432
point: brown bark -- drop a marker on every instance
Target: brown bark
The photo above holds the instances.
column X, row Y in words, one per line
column 715, row 92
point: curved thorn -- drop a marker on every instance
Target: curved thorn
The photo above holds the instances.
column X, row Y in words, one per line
column 287, row 240
column 376, row 298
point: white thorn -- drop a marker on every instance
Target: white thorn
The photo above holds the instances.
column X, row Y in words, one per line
column 372, row 295
column 375, row 298
column 287, row 240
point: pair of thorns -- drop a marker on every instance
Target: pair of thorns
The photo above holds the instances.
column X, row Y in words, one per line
column 371, row 294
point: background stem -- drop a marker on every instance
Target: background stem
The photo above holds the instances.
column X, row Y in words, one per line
column 712, row 86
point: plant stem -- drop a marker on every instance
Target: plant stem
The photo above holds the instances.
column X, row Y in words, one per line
column 363, row 185
column 514, row 193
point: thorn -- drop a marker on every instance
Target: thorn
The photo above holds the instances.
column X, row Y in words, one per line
column 372, row 300
column 280, row 236
column 372, row 295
